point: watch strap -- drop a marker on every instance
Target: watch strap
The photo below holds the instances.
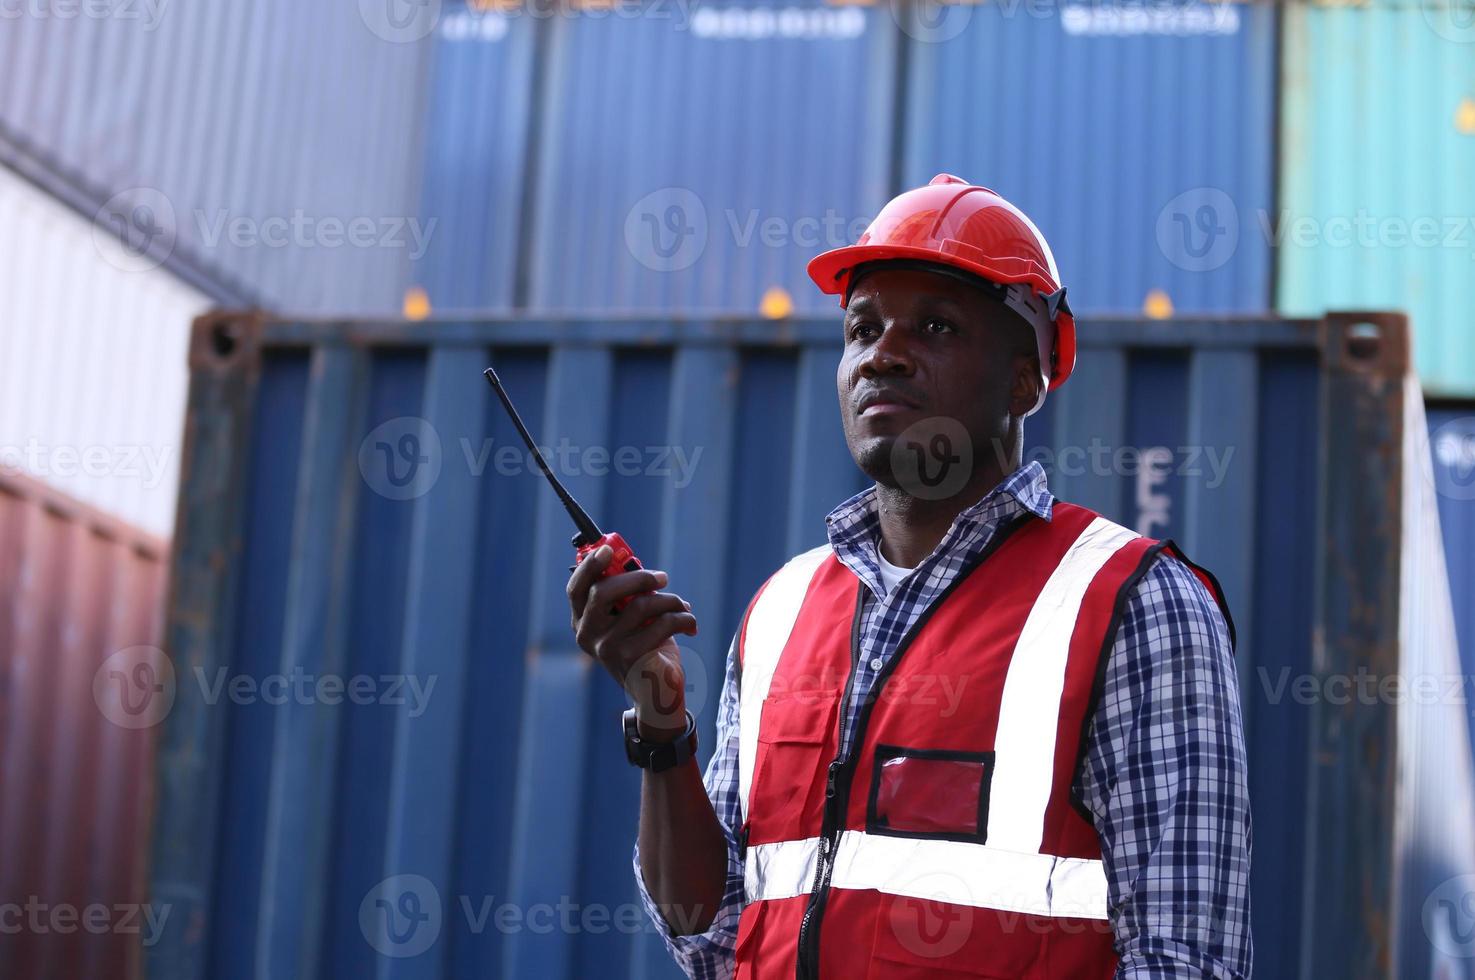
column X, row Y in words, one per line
column 658, row 756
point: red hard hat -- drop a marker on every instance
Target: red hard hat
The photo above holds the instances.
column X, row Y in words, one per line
column 952, row 222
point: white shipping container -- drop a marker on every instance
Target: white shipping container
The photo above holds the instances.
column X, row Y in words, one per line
column 93, row 373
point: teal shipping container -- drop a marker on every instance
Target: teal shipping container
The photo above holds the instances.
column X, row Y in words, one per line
column 356, row 505
column 1377, row 185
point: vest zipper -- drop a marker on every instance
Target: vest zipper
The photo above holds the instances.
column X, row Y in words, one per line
column 841, row 770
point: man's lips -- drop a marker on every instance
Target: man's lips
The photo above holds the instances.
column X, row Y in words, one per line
column 884, row 403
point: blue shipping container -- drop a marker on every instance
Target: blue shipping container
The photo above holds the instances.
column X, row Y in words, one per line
column 695, row 156
column 1452, row 442
column 477, row 118
column 357, row 505
column 1139, row 137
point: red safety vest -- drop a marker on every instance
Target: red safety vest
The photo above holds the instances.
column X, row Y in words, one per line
column 946, row 845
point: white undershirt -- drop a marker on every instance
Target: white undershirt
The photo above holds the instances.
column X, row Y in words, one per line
column 891, row 574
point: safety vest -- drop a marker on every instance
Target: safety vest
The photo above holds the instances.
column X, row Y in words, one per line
column 946, row 843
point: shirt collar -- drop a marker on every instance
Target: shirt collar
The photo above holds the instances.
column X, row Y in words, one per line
column 854, row 527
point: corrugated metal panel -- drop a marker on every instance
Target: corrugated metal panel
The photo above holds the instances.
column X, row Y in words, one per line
column 1452, row 442
column 1378, row 143
column 92, row 361
column 230, row 137
column 1139, row 137
column 695, row 156
column 476, row 153
column 389, row 525
column 81, row 609
column 1437, row 811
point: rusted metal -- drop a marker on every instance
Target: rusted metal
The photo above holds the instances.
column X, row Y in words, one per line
column 77, row 587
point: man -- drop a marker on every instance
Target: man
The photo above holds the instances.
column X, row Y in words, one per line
column 979, row 733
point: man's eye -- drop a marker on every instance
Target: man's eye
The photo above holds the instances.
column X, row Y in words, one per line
column 939, row 326
column 861, row 330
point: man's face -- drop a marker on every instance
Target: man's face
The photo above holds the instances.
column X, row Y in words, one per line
column 922, row 345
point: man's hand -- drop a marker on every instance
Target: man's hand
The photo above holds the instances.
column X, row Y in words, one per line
column 635, row 645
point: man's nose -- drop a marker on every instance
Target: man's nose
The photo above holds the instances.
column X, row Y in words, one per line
column 890, row 354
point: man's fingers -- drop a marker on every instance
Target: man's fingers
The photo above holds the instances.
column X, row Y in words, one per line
column 605, row 591
column 584, row 577
column 662, row 629
column 643, row 607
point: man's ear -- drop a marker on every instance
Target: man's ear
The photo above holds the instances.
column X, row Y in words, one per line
column 1024, row 388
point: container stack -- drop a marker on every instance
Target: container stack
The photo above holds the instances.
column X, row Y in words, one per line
column 614, row 201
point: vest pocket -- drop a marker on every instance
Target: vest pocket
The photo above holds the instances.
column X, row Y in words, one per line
column 929, row 794
column 917, row 938
column 789, row 767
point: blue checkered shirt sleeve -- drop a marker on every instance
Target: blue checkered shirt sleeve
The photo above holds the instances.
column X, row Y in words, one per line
column 710, row 955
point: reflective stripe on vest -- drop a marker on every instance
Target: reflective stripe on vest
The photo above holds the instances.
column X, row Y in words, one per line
column 767, row 629
column 1025, row 741
column 977, row 875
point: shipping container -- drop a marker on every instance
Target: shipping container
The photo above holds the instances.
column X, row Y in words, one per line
column 477, row 121
column 1452, row 444
column 357, row 505
column 81, row 608
column 92, row 361
column 693, row 157
column 1139, row 137
column 1378, row 145
column 269, row 151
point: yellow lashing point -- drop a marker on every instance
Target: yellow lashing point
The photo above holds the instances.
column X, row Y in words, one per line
column 417, row 304
column 776, row 303
column 1157, row 305
column 1465, row 116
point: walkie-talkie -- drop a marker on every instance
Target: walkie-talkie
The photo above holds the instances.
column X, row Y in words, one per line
column 589, row 537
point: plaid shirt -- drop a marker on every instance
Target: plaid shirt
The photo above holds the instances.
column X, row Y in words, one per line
column 1163, row 774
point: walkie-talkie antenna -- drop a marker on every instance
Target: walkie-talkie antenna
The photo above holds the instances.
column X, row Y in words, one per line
column 588, row 531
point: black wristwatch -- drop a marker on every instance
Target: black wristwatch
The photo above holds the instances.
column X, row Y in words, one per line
column 658, row 756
